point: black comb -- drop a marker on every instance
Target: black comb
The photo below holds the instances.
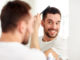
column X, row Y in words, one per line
column 45, row 9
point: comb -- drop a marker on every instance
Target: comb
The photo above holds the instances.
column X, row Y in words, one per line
column 45, row 9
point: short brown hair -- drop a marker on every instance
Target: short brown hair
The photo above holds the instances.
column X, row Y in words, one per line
column 11, row 14
column 50, row 10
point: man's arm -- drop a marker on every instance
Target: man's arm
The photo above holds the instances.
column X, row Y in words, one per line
column 34, row 38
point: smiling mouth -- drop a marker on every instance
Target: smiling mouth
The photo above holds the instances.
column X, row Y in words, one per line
column 52, row 32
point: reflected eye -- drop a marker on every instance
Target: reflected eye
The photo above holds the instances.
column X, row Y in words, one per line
column 50, row 22
column 58, row 23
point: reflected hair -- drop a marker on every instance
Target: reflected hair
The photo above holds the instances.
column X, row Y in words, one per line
column 50, row 10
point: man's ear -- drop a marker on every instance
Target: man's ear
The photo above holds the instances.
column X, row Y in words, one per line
column 42, row 23
column 22, row 27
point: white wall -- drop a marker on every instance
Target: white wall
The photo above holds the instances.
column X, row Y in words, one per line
column 74, row 39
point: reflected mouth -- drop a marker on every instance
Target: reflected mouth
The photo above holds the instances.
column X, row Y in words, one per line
column 52, row 32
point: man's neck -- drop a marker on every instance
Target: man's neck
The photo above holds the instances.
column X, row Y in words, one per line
column 9, row 37
column 47, row 39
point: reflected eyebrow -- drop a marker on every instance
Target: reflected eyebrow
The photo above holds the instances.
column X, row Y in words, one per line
column 50, row 20
column 58, row 21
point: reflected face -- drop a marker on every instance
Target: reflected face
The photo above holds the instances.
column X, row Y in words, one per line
column 51, row 25
column 29, row 30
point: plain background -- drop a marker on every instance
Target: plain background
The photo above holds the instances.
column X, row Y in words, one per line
column 74, row 39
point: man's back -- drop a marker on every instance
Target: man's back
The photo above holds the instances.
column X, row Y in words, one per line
column 16, row 51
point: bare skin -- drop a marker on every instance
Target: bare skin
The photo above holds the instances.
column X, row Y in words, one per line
column 35, row 41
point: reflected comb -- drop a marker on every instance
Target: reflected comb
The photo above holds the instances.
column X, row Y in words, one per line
column 44, row 10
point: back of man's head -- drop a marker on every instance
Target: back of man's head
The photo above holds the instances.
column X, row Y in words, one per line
column 12, row 13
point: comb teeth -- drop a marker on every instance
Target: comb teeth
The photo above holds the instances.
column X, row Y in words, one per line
column 45, row 9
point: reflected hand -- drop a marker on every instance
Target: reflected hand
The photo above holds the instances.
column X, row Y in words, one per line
column 37, row 21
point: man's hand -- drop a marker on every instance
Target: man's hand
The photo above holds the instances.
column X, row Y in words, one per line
column 34, row 38
column 37, row 21
column 53, row 53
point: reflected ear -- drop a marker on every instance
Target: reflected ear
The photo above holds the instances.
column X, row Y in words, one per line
column 42, row 23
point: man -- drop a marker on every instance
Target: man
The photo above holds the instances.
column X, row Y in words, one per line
column 17, row 25
column 50, row 43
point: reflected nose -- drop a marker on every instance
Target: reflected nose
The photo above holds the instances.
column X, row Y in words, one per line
column 54, row 26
